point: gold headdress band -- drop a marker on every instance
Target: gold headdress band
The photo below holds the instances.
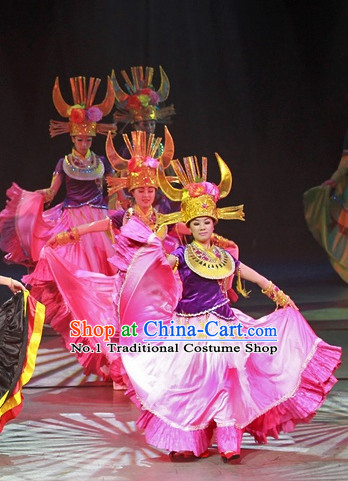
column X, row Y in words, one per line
column 83, row 115
column 142, row 101
column 141, row 169
column 198, row 197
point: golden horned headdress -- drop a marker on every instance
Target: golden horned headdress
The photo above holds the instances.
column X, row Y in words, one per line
column 83, row 115
column 198, row 197
column 141, row 168
column 141, row 102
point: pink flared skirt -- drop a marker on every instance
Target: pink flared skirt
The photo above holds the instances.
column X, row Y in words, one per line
column 183, row 396
column 235, row 383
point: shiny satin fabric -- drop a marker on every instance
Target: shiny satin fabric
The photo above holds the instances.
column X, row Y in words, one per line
column 83, row 296
column 26, row 227
column 150, row 291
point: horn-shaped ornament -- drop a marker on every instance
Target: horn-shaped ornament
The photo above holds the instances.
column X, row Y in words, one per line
column 163, row 91
column 168, row 150
column 225, row 185
column 80, row 94
column 175, row 194
column 117, row 162
column 119, row 94
column 108, row 102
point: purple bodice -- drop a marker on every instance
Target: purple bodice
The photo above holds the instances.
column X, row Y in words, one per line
column 117, row 218
column 200, row 294
column 81, row 192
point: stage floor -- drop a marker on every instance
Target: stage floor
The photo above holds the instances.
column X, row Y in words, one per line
column 89, row 433
column 73, row 427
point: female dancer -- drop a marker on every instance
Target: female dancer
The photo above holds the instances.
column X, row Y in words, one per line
column 326, row 213
column 25, row 226
column 196, row 365
column 142, row 107
column 88, row 296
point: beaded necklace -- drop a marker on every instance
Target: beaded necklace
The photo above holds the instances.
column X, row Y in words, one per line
column 83, row 168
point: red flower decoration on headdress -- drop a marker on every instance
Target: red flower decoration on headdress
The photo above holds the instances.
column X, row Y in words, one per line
column 133, row 102
column 134, row 165
column 77, row 116
column 146, row 91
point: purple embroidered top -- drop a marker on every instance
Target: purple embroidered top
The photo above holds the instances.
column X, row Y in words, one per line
column 200, row 295
column 82, row 192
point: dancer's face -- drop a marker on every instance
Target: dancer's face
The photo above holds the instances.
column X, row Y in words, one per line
column 148, row 126
column 144, row 197
column 82, row 143
column 202, row 228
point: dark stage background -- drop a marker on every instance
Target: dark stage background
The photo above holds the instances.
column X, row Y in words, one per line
column 264, row 83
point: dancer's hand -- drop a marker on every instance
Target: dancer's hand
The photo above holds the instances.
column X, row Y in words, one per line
column 278, row 296
column 69, row 236
column 47, row 194
column 292, row 304
column 12, row 284
column 16, row 286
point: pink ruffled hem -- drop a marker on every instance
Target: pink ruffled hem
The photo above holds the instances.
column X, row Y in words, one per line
column 315, row 383
column 163, row 436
